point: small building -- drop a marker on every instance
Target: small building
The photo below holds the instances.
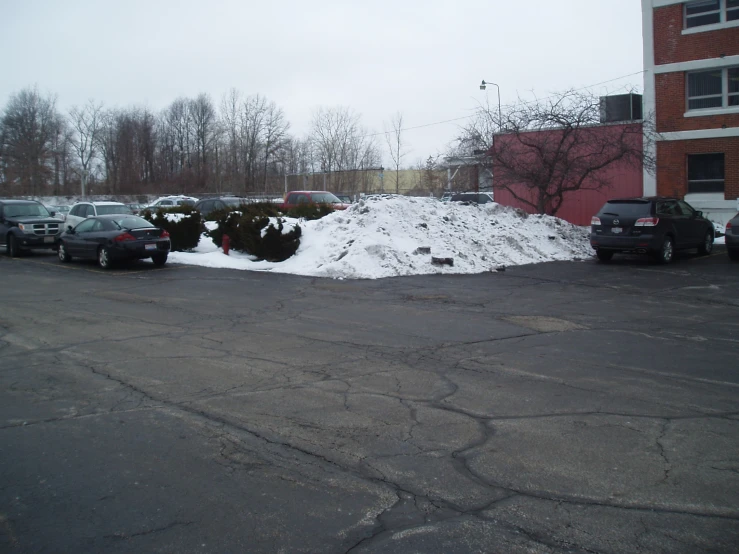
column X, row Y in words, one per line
column 572, row 153
column 691, row 86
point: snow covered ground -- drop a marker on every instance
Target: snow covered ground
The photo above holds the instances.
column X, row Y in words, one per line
column 380, row 237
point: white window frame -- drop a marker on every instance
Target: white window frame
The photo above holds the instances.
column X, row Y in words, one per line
column 725, row 94
column 724, row 22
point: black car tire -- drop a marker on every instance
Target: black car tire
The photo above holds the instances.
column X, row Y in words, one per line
column 159, row 259
column 62, row 253
column 706, row 246
column 733, row 254
column 104, row 260
column 665, row 254
column 604, row 255
column 11, row 248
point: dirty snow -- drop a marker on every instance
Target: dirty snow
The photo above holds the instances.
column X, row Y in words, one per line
column 380, row 237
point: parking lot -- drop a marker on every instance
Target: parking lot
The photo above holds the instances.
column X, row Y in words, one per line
column 560, row 407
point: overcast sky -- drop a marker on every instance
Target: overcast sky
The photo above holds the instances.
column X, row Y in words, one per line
column 422, row 58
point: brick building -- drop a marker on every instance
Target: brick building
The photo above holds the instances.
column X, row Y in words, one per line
column 691, row 85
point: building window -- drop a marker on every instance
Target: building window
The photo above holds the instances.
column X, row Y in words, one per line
column 709, row 12
column 705, row 173
column 713, row 88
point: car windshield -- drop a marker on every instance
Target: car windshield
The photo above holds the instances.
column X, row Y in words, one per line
column 115, row 209
column 23, row 210
column 131, row 222
column 324, row 198
column 625, row 208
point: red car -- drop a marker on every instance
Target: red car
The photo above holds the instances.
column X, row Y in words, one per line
column 298, row 197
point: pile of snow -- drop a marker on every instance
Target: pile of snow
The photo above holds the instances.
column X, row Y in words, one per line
column 381, row 238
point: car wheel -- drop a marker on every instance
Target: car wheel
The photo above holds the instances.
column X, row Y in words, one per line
column 666, row 253
column 733, row 254
column 604, row 255
column 12, row 246
column 62, row 253
column 104, row 260
column 707, row 245
column 159, row 259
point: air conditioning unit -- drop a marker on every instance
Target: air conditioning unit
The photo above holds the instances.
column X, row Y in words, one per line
column 621, row 107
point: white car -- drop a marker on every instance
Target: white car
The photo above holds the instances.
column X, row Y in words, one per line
column 82, row 210
column 171, row 202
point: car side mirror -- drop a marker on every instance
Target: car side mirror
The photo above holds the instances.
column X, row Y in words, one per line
column 52, row 214
column 69, row 229
column 698, row 214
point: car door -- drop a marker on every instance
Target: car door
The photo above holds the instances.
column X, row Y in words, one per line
column 75, row 215
column 90, row 240
column 75, row 241
column 678, row 222
column 3, row 225
column 695, row 227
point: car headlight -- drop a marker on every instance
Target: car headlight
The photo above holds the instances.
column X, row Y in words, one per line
column 26, row 228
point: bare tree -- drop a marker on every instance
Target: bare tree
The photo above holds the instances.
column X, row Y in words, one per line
column 204, row 122
column 553, row 147
column 394, row 138
column 28, row 128
column 342, row 148
column 86, row 123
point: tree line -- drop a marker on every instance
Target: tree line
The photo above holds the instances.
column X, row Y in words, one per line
column 242, row 145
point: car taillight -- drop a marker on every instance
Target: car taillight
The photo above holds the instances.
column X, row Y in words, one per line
column 728, row 227
column 647, row 222
column 595, row 221
column 124, row 237
column 164, row 235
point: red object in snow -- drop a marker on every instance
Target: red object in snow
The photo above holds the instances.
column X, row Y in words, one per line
column 226, row 243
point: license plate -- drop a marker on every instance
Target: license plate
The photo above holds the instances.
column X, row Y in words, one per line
column 616, row 230
column 151, row 246
column 48, row 239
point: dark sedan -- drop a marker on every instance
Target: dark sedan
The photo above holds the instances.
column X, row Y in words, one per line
column 109, row 238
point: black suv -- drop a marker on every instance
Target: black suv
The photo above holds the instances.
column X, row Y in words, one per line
column 27, row 224
column 656, row 226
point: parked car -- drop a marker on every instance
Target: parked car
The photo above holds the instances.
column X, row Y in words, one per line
column 299, row 197
column 109, row 238
column 82, row 210
column 657, row 226
column 26, row 225
column 473, row 197
column 210, row 205
column 135, row 207
column 345, row 198
column 732, row 238
column 60, row 212
column 171, row 202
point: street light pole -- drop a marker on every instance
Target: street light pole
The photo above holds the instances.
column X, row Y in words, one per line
column 500, row 116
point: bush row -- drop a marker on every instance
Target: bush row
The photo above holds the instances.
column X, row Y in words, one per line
column 257, row 229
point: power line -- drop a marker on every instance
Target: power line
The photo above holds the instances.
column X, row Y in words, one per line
column 525, row 102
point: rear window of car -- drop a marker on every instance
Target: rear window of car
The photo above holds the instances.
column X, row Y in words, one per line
column 106, row 210
column 132, row 222
column 626, row 208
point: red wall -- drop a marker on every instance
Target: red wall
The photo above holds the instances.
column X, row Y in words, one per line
column 627, row 180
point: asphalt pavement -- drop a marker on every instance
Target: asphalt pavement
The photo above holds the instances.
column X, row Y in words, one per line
column 560, row 407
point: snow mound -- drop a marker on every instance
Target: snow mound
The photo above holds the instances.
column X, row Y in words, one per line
column 387, row 237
